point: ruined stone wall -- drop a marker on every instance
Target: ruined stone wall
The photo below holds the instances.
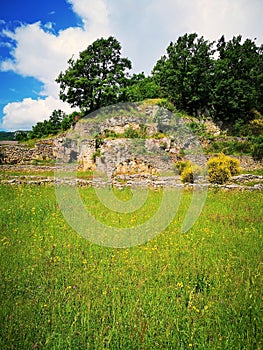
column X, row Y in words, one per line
column 21, row 154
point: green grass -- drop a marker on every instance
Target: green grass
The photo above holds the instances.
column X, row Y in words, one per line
column 253, row 172
column 230, row 147
column 199, row 290
column 86, row 175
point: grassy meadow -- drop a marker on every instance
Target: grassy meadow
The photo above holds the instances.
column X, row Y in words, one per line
column 197, row 290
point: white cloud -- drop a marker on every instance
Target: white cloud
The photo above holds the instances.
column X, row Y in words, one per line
column 41, row 54
column 147, row 27
column 209, row 18
column 95, row 16
column 144, row 29
column 23, row 115
column 48, row 26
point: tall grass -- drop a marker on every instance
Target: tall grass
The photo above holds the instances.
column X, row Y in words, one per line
column 199, row 290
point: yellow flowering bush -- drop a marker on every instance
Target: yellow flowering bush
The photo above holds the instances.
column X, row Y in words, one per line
column 189, row 171
column 221, row 168
column 256, row 126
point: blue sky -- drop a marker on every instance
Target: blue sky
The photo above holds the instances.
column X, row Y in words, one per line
column 38, row 37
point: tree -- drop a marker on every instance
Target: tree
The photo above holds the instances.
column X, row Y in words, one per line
column 55, row 121
column 140, row 88
column 21, row 135
column 238, row 79
column 184, row 74
column 48, row 127
column 97, row 77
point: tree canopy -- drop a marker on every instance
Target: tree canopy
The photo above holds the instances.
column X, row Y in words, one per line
column 238, row 79
column 221, row 79
column 97, row 77
column 184, row 75
column 56, row 123
column 226, row 81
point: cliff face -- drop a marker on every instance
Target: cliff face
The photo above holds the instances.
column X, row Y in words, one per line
column 142, row 140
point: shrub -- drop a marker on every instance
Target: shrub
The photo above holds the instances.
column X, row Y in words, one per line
column 179, row 166
column 256, row 126
column 221, row 168
column 130, row 133
column 257, row 152
column 166, row 104
column 188, row 171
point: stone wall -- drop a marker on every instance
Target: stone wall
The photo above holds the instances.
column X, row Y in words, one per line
column 21, row 154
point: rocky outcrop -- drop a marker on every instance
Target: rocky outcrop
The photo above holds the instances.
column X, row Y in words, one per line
column 101, row 143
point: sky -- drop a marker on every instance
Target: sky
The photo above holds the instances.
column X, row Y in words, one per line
column 38, row 37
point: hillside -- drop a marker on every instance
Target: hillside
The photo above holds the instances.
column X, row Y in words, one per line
column 7, row 136
column 136, row 144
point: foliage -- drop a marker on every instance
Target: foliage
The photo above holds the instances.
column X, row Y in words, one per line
column 96, row 154
column 221, row 168
column 96, row 78
column 140, row 88
column 184, row 74
column 21, row 135
column 165, row 103
column 188, row 171
column 58, row 122
column 223, row 80
column 228, row 87
column 257, row 152
column 180, row 166
column 197, row 128
column 230, row 146
column 47, row 127
column 131, row 133
column 256, row 127
column 7, row 136
column 198, row 290
column 238, row 79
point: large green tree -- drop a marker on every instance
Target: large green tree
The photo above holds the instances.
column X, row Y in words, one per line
column 97, row 77
column 238, row 79
column 184, row 73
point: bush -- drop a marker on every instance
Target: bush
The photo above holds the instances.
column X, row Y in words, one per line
column 166, row 104
column 188, row 171
column 130, row 133
column 256, row 127
column 221, row 168
column 257, row 152
column 180, row 166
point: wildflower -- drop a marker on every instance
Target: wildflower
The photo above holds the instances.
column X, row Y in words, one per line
column 196, row 309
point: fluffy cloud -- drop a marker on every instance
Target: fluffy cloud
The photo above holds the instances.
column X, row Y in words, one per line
column 41, row 54
column 95, row 16
column 22, row 115
column 144, row 29
column 209, row 18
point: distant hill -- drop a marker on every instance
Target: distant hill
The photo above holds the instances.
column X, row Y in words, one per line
column 7, row 135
